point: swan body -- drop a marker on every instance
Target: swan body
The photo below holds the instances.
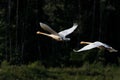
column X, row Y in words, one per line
column 61, row 36
column 96, row 44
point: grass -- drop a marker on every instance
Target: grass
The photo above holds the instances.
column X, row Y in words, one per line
column 36, row 71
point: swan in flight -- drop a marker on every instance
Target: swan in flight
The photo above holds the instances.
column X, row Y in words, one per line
column 95, row 44
column 61, row 36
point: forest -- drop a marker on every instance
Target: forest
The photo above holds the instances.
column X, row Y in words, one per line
column 25, row 55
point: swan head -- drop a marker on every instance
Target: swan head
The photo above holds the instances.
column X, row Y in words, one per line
column 82, row 42
column 38, row 32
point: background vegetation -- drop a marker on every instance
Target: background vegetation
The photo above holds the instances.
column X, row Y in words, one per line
column 27, row 56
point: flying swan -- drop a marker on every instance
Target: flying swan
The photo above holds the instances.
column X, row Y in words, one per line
column 95, row 44
column 61, row 36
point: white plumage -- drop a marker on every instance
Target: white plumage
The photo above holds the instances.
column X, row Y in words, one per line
column 96, row 44
column 61, row 36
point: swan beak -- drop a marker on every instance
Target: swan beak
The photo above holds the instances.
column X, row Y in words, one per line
column 82, row 42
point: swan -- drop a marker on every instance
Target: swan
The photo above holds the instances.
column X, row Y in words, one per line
column 96, row 44
column 61, row 36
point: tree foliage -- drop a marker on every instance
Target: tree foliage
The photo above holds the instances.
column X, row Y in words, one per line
column 19, row 21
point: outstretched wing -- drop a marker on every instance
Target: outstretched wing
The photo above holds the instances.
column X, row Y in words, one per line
column 47, row 28
column 98, row 43
column 68, row 31
column 87, row 47
column 109, row 48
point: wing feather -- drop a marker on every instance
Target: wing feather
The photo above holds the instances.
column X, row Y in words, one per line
column 68, row 31
column 87, row 47
column 47, row 28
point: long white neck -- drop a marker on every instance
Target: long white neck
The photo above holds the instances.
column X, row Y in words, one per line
column 83, row 42
column 38, row 32
column 56, row 37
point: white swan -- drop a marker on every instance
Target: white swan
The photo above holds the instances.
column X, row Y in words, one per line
column 96, row 44
column 61, row 36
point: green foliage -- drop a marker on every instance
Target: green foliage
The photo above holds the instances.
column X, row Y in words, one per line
column 24, row 72
column 90, row 56
column 4, row 64
column 36, row 71
column 2, row 32
column 54, row 10
column 19, row 21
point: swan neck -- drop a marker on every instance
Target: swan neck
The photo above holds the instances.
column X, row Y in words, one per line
column 83, row 42
column 42, row 33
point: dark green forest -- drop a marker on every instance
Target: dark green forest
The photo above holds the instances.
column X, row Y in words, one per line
column 22, row 49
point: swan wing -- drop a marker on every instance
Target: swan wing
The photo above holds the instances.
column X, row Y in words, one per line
column 68, row 31
column 109, row 48
column 87, row 47
column 47, row 28
column 101, row 44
